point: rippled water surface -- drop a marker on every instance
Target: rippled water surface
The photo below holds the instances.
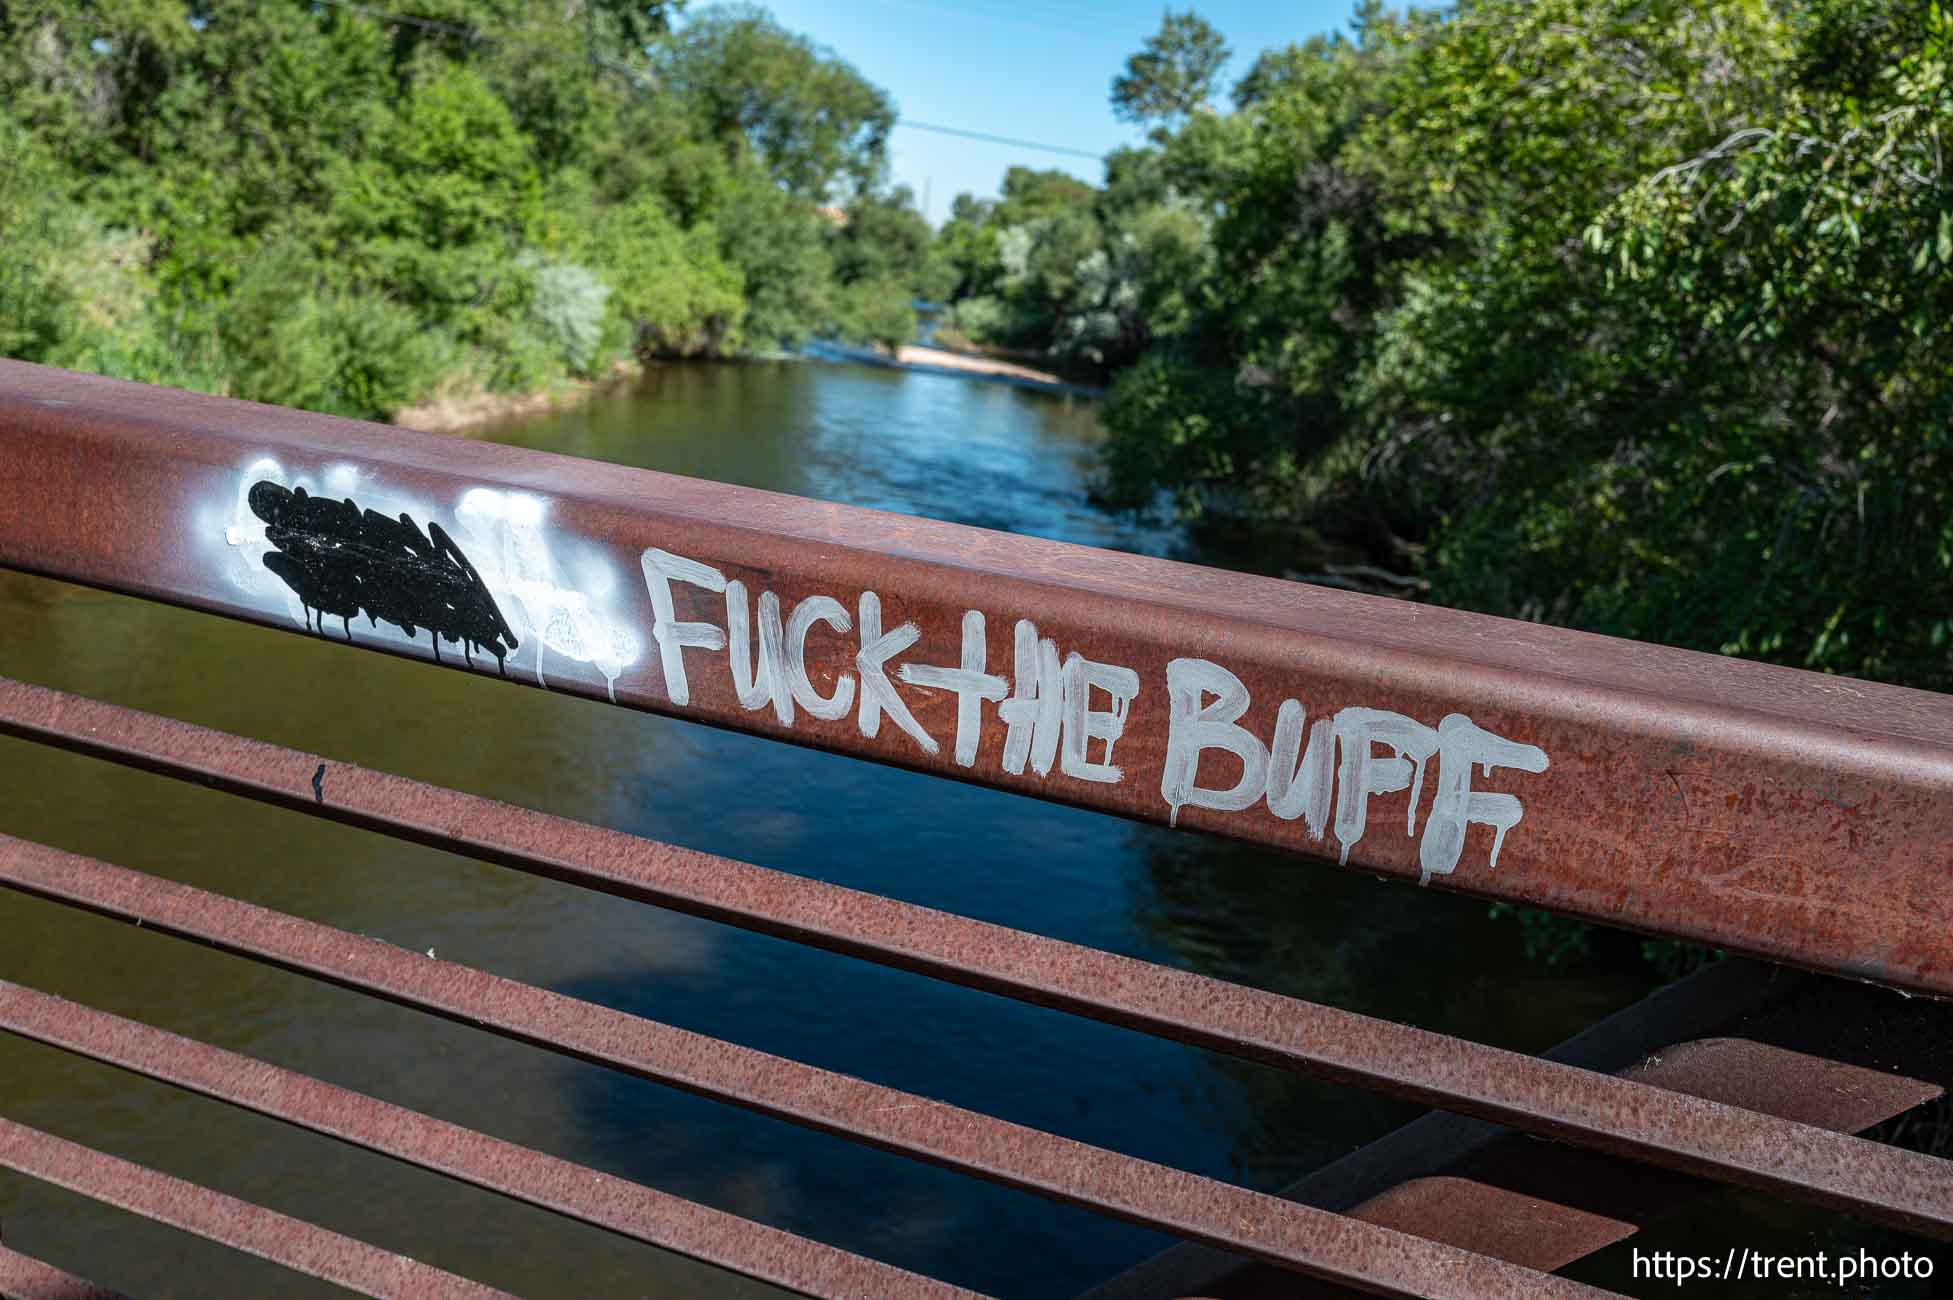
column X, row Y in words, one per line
column 948, row 448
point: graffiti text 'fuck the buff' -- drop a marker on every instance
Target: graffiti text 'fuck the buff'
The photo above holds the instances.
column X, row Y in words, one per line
column 505, row 577
column 1069, row 712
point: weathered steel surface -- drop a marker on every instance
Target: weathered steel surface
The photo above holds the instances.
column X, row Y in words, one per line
column 1556, row 1219
column 22, row 1277
column 1803, row 818
column 1187, row 1205
column 618, row 1205
column 1483, row 1217
column 1826, row 1094
column 1466, row 1182
column 297, row 1245
column 1540, row 1096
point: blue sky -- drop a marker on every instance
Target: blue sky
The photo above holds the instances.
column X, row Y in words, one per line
column 1039, row 72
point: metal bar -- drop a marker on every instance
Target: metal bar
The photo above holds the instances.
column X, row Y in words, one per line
column 1722, row 1015
column 1263, row 1227
column 1795, row 816
column 302, row 1247
column 1544, row 1205
column 22, row 1277
column 1540, row 1096
column 574, row 1191
column 1707, row 1002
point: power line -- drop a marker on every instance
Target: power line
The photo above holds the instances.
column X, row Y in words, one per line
column 999, row 139
column 474, row 35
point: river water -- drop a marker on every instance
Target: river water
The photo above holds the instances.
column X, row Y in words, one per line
column 955, row 449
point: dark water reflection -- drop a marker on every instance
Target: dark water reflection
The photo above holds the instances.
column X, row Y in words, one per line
column 947, row 448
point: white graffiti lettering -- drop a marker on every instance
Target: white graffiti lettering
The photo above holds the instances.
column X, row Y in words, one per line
column 505, row 530
column 661, row 569
column 334, row 544
column 1303, row 788
column 1083, row 724
column 970, row 682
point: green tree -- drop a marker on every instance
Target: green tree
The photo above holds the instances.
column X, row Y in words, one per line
column 475, row 193
column 778, row 243
column 885, row 258
column 1032, row 194
column 967, row 245
column 1017, row 260
column 672, row 291
column 1617, row 314
column 1173, row 76
column 810, row 118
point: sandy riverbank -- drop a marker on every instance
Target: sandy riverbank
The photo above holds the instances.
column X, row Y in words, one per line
column 912, row 355
column 465, row 413
column 942, row 361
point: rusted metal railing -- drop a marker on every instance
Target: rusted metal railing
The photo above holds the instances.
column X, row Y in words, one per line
column 1797, row 818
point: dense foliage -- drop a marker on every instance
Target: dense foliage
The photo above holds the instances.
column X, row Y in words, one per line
column 1633, row 315
column 354, row 208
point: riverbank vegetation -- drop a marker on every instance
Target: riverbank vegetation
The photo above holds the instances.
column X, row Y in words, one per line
column 1630, row 316
column 328, row 205
column 1633, row 317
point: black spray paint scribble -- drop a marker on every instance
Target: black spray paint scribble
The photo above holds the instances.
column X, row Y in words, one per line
column 343, row 561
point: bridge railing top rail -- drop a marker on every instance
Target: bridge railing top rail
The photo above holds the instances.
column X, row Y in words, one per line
column 1793, row 815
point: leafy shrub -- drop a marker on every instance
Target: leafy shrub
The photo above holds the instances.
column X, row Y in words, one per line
column 37, row 303
column 672, row 293
column 777, row 246
column 58, row 262
column 566, row 309
column 1173, row 421
column 288, row 341
column 148, row 351
column 875, row 311
column 1550, row 940
column 999, row 322
column 384, row 359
